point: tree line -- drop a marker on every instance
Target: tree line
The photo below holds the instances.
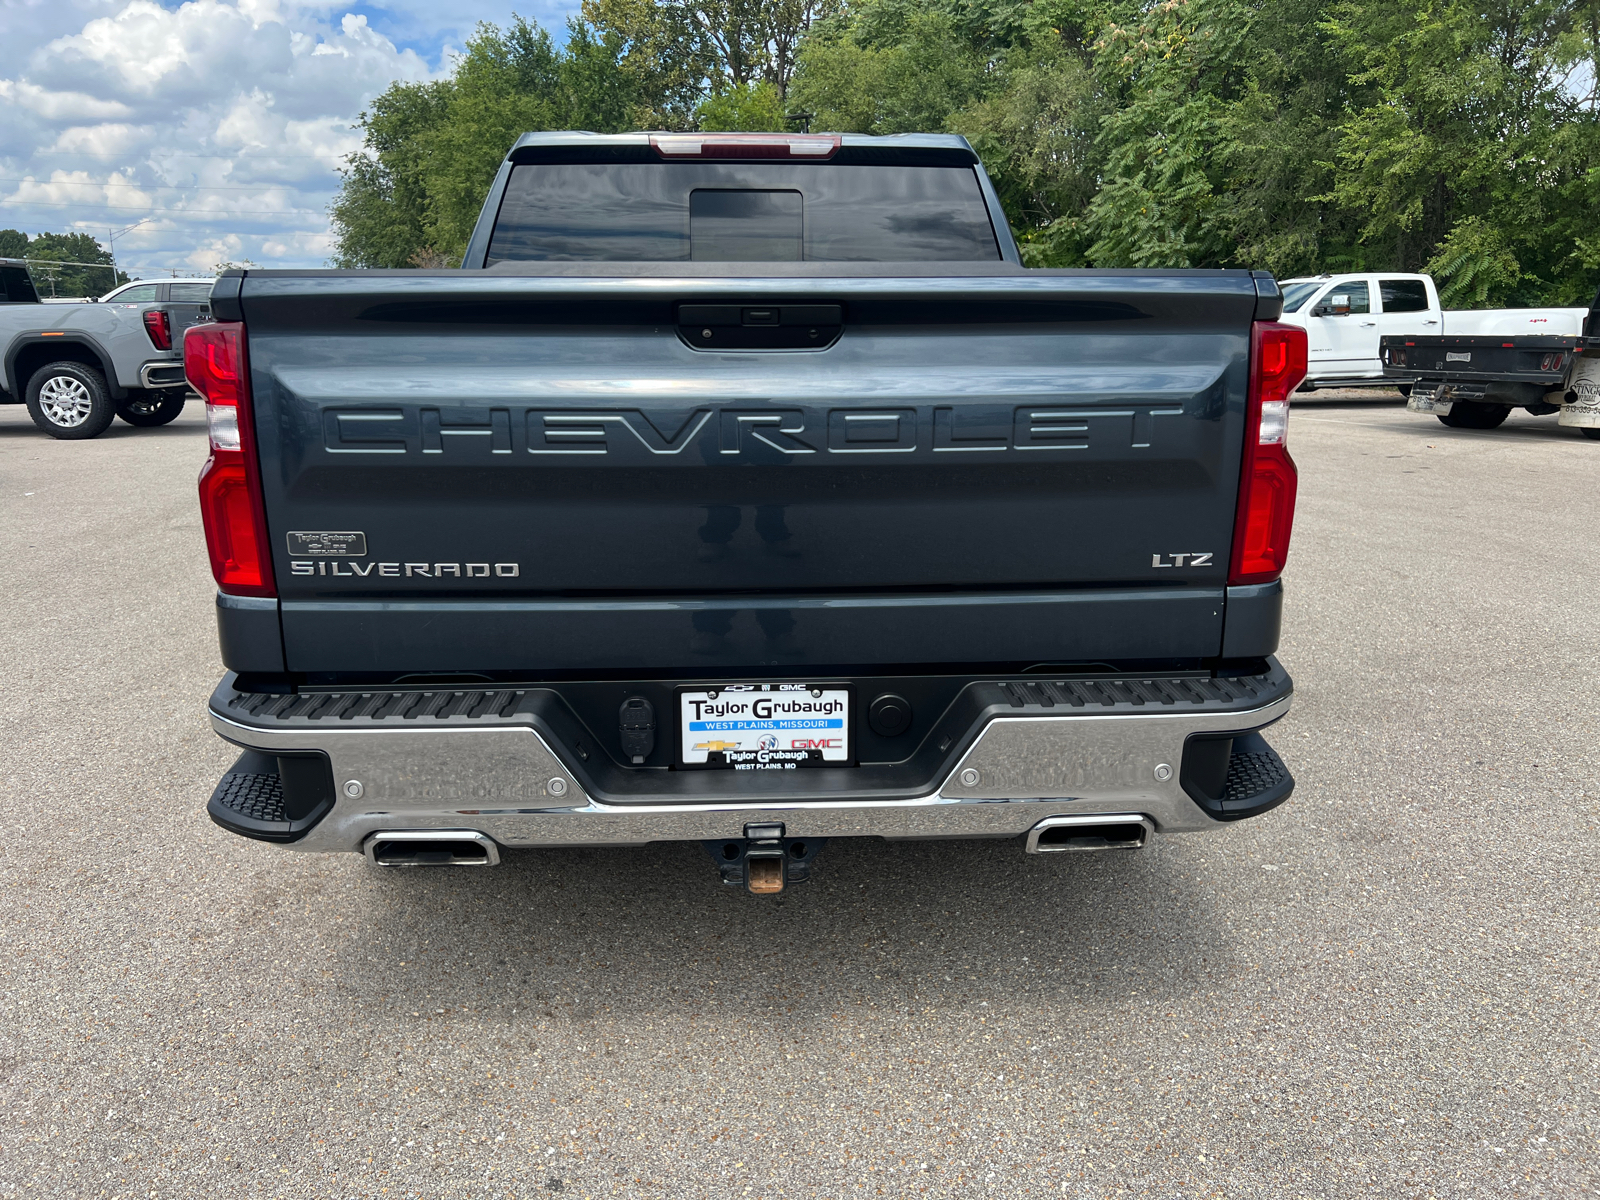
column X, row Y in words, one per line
column 1455, row 137
column 63, row 264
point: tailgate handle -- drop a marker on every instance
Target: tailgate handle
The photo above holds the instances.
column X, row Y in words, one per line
column 760, row 326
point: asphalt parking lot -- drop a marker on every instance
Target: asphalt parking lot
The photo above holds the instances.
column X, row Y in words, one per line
column 1387, row 987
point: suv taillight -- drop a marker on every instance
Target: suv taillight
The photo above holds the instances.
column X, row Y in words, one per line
column 159, row 329
column 230, row 483
column 1267, row 477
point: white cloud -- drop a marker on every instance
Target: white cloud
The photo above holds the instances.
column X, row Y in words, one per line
column 219, row 123
column 59, row 106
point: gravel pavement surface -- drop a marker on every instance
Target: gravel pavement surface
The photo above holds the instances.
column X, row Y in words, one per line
column 1388, row 987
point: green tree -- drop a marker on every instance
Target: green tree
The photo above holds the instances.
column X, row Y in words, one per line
column 1171, row 75
column 63, row 264
column 1298, row 136
column 1467, row 150
column 380, row 217
column 506, row 84
column 888, row 67
column 753, row 107
column 687, row 50
column 1036, row 130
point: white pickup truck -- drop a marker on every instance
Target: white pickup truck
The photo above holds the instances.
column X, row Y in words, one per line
column 1474, row 381
column 1345, row 316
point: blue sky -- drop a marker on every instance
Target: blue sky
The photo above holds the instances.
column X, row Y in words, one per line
column 214, row 127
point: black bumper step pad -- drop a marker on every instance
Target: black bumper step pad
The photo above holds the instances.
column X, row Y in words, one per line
column 1255, row 774
column 1253, row 780
column 256, row 797
column 1140, row 693
column 273, row 798
column 310, row 710
column 334, row 707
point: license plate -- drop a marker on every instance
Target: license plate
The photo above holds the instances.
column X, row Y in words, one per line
column 1425, row 402
column 765, row 727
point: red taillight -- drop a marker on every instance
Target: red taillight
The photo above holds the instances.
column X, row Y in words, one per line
column 230, row 484
column 156, row 325
column 1267, row 477
column 745, row 145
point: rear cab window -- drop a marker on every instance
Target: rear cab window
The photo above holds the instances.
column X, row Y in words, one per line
column 1403, row 295
column 16, row 285
column 742, row 212
column 189, row 293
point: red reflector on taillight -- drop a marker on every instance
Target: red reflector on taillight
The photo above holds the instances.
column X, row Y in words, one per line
column 231, row 507
column 1267, row 476
column 155, row 324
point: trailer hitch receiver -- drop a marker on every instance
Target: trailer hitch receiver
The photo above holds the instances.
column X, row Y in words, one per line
column 764, row 861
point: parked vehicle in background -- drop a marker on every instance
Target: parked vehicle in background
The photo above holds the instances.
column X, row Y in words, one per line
column 160, row 291
column 1474, row 382
column 1346, row 317
column 745, row 489
column 78, row 366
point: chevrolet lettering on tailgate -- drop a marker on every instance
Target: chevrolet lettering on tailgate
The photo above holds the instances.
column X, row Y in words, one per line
column 635, row 434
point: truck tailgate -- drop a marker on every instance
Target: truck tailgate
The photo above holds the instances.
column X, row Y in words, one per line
column 1533, row 359
column 543, row 472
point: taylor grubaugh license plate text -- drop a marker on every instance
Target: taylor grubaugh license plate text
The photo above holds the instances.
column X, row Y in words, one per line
column 766, row 727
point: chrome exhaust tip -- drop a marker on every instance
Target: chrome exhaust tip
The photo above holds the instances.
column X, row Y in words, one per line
column 432, row 848
column 1092, row 831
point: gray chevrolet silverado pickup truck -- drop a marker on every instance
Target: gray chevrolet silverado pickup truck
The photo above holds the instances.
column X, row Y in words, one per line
column 747, row 490
column 79, row 366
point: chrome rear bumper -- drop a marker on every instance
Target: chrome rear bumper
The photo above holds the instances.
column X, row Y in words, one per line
column 505, row 780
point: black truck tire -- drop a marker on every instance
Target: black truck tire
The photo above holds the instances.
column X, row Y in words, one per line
column 1475, row 414
column 70, row 401
column 1404, row 389
column 151, row 408
column 1591, row 433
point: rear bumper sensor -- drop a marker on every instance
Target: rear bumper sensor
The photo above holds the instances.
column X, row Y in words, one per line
column 1008, row 755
